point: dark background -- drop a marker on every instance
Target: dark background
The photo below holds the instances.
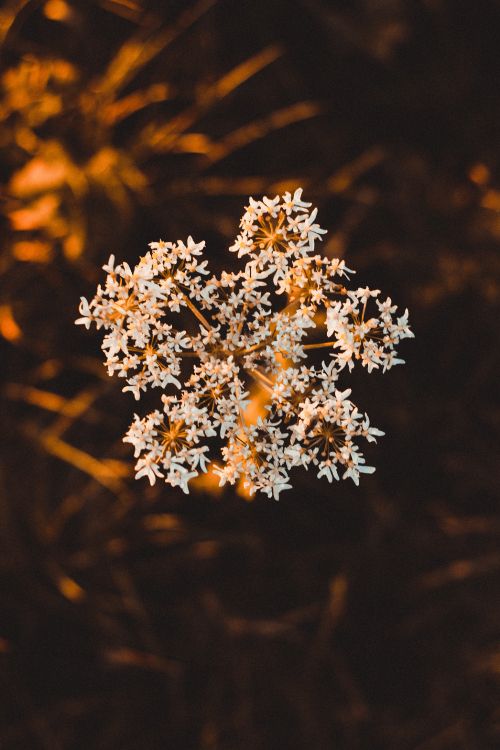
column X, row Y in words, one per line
column 341, row 617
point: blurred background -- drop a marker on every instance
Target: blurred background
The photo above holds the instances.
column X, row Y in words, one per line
column 350, row 618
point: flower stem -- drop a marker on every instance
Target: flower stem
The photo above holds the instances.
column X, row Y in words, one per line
column 267, row 341
column 264, row 380
column 196, row 312
column 322, row 345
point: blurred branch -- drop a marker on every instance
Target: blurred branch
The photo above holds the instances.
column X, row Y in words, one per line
column 260, row 128
column 460, row 570
column 127, row 9
column 162, row 138
column 107, row 472
column 140, row 49
column 13, row 14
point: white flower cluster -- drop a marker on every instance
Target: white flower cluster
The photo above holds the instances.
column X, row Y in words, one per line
column 242, row 333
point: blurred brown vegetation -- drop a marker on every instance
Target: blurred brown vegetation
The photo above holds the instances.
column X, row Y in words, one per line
column 134, row 617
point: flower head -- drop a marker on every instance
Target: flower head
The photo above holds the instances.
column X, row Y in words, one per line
column 261, row 324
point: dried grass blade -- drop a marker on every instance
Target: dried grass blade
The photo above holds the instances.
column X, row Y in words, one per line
column 163, row 138
column 105, row 473
column 262, row 127
column 137, row 51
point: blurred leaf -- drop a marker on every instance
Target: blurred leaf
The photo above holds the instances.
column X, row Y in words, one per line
column 9, row 329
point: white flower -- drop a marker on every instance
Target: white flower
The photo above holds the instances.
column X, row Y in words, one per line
column 291, row 203
column 328, row 470
column 240, row 335
column 86, row 314
column 147, row 467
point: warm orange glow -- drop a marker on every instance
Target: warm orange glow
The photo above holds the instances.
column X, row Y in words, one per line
column 480, row 174
column 163, row 522
column 73, row 246
column 491, row 200
column 338, row 594
column 70, row 589
column 48, row 171
column 207, row 482
column 194, row 143
column 56, row 10
column 9, row 329
column 43, row 399
column 109, row 473
column 118, row 110
column 259, row 397
column 206, row 550
column 26, row 139
column 36, row 215
column 33, row 251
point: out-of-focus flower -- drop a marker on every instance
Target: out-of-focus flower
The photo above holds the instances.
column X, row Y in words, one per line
column 244, row 334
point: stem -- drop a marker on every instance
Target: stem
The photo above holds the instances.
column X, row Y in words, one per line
column 195, row 311
column 322, row 345
column 264, row 380
column 264, row 343
column 242, row 321
column 292, row 303
column 340, row 290
column 254, row 348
